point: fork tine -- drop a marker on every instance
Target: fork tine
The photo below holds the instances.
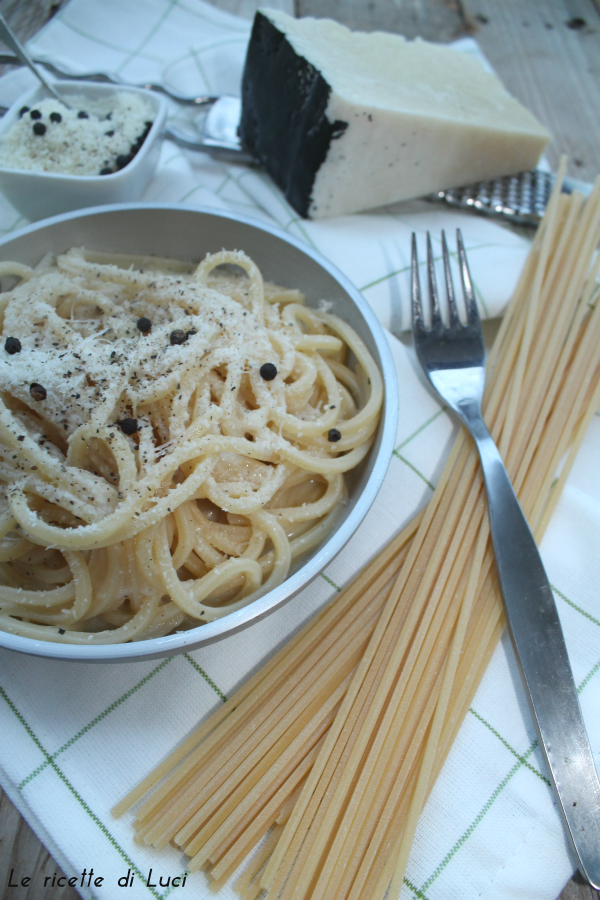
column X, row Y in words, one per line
column 470, row 302
column 436, row 318
column 454, row 320
column 417, row 309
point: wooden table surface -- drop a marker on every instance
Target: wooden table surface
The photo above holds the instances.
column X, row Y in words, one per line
column 548, row 56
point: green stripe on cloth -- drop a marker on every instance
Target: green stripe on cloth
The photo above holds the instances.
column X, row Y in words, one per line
column 201, row 70
column 480, row 816
column 421, row 428
column 165, row 15
column 298, row 222
column 95, row 721
column 206, row 677
column 384, row 278
column 416, row 891
column 521, row 761
column 16, row 224
column 509, row 748
column 197, row 187
column 403, row 269
column 414, row 469
column 588, row 677
column 329, row 581
column 574, row 606
column 103, row 43
column 95, row 819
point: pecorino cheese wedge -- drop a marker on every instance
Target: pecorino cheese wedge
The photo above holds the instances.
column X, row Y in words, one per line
column 344, row 121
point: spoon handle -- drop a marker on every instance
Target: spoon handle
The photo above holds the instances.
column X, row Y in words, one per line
column 9, row 38
column 203, row 101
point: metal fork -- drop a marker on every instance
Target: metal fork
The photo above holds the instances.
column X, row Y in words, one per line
column 453, row 359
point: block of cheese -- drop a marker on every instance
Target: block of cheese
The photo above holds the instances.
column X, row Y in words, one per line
column 345, row 121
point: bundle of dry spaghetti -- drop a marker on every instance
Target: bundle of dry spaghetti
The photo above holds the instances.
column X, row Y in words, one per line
column 332, row 748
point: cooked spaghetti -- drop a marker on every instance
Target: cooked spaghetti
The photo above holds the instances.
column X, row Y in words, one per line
column 171, row 439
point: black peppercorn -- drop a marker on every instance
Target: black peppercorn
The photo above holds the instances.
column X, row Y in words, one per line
column 144, row 325
column 22, row 111
column 178, row 337
column 128, row 426
column 61, row 631
column 39, row 128
column 333, row 435
column 268, row 371
column 12, row 345
column 109, row 133
column 106, row 170
column 55, row 117
column 37, row 391
column 35, row 114
column 82, row 114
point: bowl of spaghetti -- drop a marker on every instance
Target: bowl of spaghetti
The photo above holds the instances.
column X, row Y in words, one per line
column 188, row 434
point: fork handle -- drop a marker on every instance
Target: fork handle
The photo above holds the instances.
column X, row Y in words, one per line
column 541, row 652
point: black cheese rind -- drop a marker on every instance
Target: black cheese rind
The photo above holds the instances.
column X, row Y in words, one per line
column 347, row 121
column 283, row 122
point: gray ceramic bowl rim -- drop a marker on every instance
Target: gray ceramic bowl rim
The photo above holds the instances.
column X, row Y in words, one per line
column 254, row 612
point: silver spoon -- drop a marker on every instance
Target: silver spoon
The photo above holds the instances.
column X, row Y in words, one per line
column 200, row 102
column 9, row 38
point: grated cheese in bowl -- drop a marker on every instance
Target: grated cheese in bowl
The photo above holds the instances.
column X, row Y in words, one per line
column 103, row 149
column 96, row 137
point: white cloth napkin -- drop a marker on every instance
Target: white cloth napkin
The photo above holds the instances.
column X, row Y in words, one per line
column 76, row 737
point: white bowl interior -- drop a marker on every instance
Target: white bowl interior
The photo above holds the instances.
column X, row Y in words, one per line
column 188, row 234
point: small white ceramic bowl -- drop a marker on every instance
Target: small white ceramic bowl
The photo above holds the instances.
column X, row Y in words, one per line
column 37, row 195
column 185, row 233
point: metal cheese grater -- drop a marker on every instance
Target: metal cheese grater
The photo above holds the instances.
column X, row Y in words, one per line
column 520, row 198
